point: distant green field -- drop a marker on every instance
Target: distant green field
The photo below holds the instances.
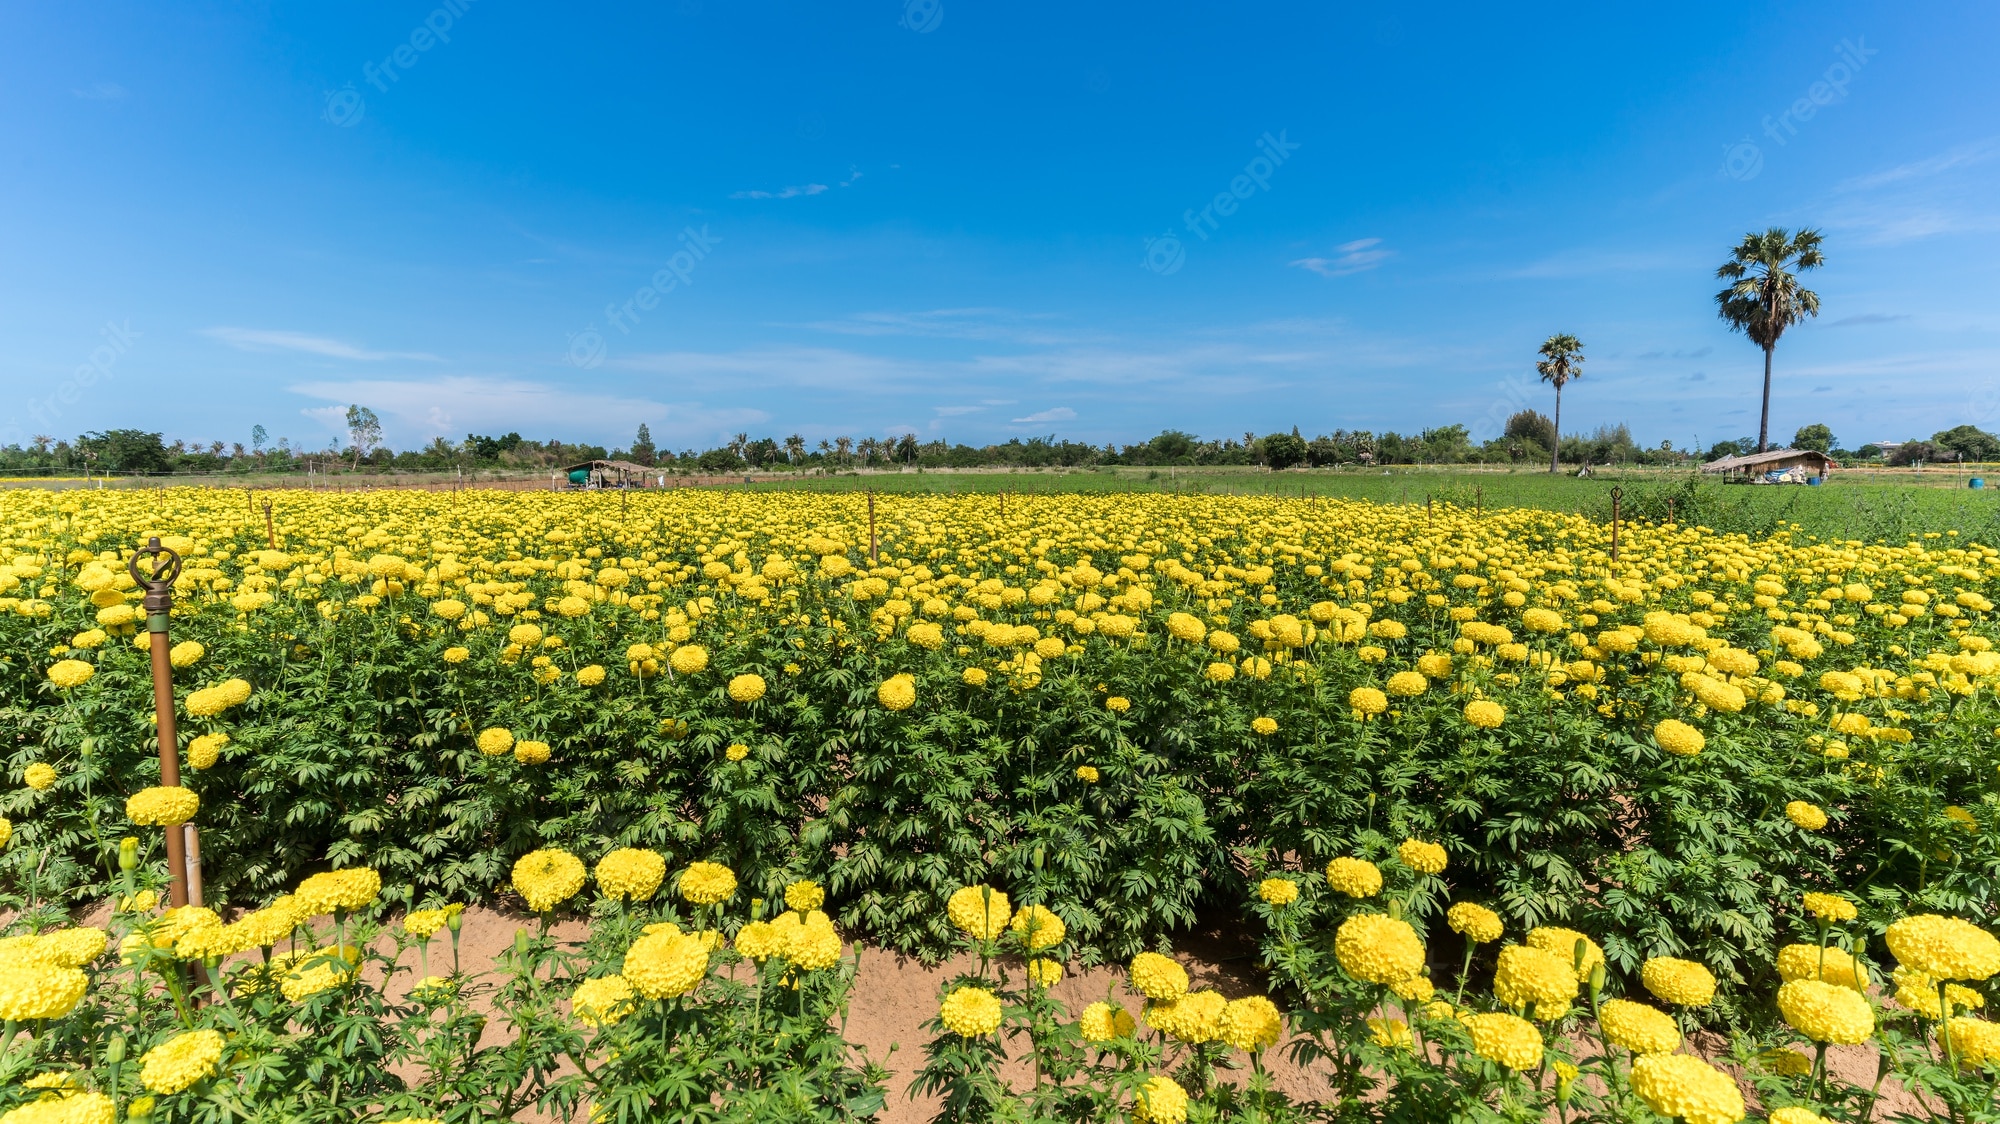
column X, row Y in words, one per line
column 1847, row 508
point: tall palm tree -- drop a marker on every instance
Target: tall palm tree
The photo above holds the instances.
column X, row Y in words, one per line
column 1764, row 296
column 795, row 448
column 1561, row 362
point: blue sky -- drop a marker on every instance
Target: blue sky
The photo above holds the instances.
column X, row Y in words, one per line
column 982, row 220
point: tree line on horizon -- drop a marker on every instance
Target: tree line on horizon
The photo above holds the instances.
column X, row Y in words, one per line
column 1529, row 438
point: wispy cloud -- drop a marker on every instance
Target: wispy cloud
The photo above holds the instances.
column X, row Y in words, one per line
column 949, row 323
column 101, row 91
column 1860, row 319
column 783, row 192
column 1976, row 152
column 415, row 410
column 1055, row 414
column 257, row 339
column 1355, row 257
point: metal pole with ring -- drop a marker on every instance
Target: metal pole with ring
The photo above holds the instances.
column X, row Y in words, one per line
column 162, row 567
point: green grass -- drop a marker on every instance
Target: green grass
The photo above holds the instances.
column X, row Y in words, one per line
column 1894, row 510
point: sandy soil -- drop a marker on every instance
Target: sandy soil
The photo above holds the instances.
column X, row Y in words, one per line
column 894, row 995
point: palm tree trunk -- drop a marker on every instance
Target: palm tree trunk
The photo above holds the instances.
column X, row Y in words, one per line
column 1556, row 438
column 1764, row 419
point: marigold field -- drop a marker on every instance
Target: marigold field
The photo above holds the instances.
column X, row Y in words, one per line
column 1516, row 820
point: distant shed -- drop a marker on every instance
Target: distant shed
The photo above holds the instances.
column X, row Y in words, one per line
column 609, row 474
column 1796, row 464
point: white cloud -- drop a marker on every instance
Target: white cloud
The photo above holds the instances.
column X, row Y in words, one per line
column 1974, row 153
column 1059, row 413
column 101, row 91
column 413, row 411
column 957, row 411
column 947, row 323
column 782, row 193
column 1357, row 256
column 257, row 339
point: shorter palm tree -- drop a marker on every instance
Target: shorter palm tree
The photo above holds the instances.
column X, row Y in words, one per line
column 1561, row 362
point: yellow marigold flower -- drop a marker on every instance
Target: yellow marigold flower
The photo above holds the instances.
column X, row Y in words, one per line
column 1475, row 922
column 1944, row 948
column 1797, row 1114
column 1357, row 878
column 1786, row 1063
column 804, row 896
column 1408, row 684
column 1422, row 857
column 1677, row 737
column 1220, row 672
column 666, row 964
column 1045, row 972
column 70, row 673
column 1683, row 983
column 1251, row 1024
column 211, row 701
column 1183, row 626
column 30, row 989
column 205, row 750
column 1562, row 943
column 1809, row 962
column 547, row 878
column 1976, row 1042
column 1542, row 620
column 591, row 675
column 457, row 654
column 423, row 923
column 706, row 883
column 898, row 692
column 1264, row 726
column 603, row 1001
column 495, row 740
column 1117, row 704
column 1194, row 1018
column 688, row 659
column 1637, row 1027
column 1485, row 714
column 1278, row 891
column 1919, row 993
column 1508, row 1039
column 1826, row 1012
column 759, row 941
column 737, row 751
column 746, row 688
column 1102, row 1022
column 1808, row 817
column 1528, row 975
column 979, row 911
column 811, row 944
column 350, row 889
column 160, row 806
column 1416, row 989
column 1157, row 977
column 1160, row 1101
column 631, row 874
column 970, row 1012
column 180, row 1061
column 530, row 752
column 1831, row 908
column 1436, row 665
column 1391, row 1034
column 1377, row 948
column 40, row 776
column 1367, row 701
column 1680, row 1085
column 6, row 830
column 449, row 609
column 1087, row 774
column 1038, row 927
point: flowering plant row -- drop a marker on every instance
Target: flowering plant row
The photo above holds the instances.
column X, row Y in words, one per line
column 1115, row 706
